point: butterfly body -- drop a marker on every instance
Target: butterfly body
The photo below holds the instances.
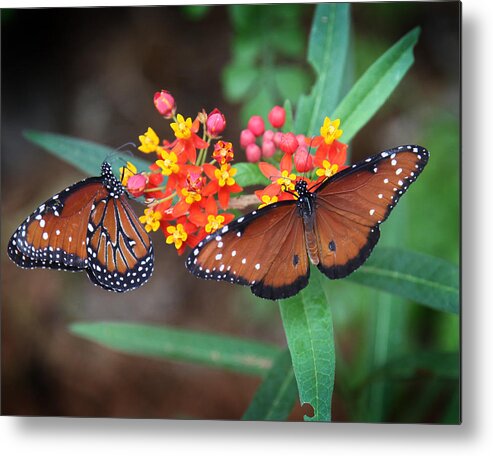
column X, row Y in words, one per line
column 90, row 227
column 306, row 203
column 334, row 227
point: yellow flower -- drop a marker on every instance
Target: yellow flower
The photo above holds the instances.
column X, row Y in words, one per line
column 177, row 235
column 126, row 171
column 286, row 181
column 168, row 164
column 149, row 141
column 150, row 219
column 328, row 169
column 182, row 127
column 191, row 196
column 215, row 222
column 266, row 199
column 330, row 130
column 225, row 175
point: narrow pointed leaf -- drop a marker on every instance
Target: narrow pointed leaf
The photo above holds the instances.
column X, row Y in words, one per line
column 422, row 278
column 84, row 155
column 307, row 322
column 373, row 88
column 327, row 52
column 237, row 355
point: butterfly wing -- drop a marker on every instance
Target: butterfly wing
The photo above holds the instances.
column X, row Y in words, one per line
column 54, row 235
column 264, row 249
column 86, row 227
column 120, row 255
column 352, row 204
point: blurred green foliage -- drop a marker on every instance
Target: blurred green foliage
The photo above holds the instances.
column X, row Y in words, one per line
column 267, row 50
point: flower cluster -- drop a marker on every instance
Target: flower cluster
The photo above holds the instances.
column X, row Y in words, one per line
column 188, row 186
column 314, row 158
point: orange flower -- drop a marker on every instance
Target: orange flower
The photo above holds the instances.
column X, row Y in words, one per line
column 187, row 140
column 283, row 180
column 222, row 182
column 223, row 152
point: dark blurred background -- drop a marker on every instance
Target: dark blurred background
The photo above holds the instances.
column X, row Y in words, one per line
column 91, row 73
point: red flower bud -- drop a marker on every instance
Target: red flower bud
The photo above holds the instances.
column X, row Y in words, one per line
column 277, row 116
column 256, row 125
column 289, row 143
column 165, row 104
column 303, row 161
column 253, row 153
column 246, row 138
column 136, row 185
column 216, row 123
column 301, row 140
column 268, row 149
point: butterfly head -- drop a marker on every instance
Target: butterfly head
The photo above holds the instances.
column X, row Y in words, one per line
column 110, row 181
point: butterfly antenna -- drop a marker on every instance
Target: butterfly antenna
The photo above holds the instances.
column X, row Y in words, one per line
column 120, row 152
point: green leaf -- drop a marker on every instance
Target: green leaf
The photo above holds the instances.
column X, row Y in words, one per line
column 249, row 174
column 84, row 155
column 276, row 395
column 425, row 279
column 237, row 79
column 308, row 325
column 291, row 81
column 375, row 86
column 327, row 52
column 238, row 355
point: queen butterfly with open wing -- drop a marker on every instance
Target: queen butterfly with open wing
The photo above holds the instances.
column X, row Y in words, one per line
column 335, row 227
column 88, row 226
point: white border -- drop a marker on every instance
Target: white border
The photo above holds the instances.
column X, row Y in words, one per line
column 41, row 436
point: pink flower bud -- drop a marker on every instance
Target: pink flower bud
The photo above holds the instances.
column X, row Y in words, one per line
column 165, row 104
column 289, row 143
column 268, row 149
column 268, row 135
column 303, row 161
column 136, row 185
column 301, row 140
column 277, row 138
column 253, row 153
column 256, row 125
column 246, row 138
column 216, row 123
column 277, row 116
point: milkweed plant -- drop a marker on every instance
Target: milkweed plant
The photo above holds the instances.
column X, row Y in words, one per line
column 195, row 183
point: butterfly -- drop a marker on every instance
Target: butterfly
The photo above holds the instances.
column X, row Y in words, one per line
column 333, row 225
column 90, row 227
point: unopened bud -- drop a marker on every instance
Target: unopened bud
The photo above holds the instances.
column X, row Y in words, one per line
column 165, row 104
column 253, row 153
column 256, row 125
column 277, row 116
